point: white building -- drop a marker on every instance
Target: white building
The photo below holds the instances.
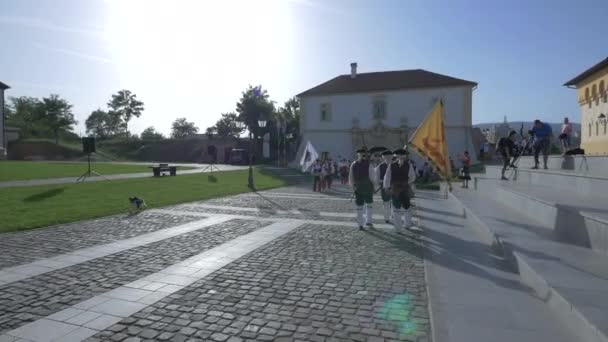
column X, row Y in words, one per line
column 3, row 139
column 383, row 109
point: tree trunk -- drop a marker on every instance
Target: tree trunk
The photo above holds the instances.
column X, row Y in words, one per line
column 56, row 137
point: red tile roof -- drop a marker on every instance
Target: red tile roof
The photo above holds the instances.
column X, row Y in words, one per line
column 386, row 80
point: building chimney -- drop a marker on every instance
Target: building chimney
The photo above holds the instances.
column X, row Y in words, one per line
column 353, row 70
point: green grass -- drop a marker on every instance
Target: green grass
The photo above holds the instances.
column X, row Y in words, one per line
column 23, row 170
column 38, row 206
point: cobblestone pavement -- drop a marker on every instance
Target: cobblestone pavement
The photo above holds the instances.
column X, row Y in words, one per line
column 319, row 282
column 315, row 284
column 24, row 247
column 39, row 296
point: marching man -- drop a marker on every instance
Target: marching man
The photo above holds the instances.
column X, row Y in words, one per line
column 387, row 157
column 398, row 178
column 361, row 178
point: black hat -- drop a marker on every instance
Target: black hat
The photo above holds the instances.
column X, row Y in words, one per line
column 387, row 153
column 512, row 133
column 376, row 149
column 362, row 150
column 401, row 152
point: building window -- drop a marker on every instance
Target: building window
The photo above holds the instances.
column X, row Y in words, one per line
column 587, row 97
column 325, row 112
column 597, row 129
column 590, row 125
column 603, row 93
column 594, row 94
column 379, row 108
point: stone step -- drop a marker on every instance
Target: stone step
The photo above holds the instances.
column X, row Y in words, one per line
column 573, row 218
column 571, row 280
column 473, row 295
column 593, row 166
column 567, row 180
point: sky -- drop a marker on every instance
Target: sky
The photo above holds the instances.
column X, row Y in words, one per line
column 193, row 58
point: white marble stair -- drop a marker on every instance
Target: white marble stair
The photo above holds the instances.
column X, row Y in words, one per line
column 573, row 217
column 571, row 279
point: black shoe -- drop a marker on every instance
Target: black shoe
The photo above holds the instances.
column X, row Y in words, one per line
column 546, row 168
column 387, row 221
column 504, row 178
column 534, row 167
column 360, row 227
column 371, row 225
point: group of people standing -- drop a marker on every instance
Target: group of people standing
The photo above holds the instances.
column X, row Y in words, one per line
column 325, row 171
column 389, row 172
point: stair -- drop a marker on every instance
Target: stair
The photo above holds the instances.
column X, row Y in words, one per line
column 555, row 234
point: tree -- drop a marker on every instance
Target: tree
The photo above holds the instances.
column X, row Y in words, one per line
column 98, row 124
column 25, row 113
column 291, row 113
column 150, row 133
column 58, row 115
column 123, row 107
column 254, row 105
column 181, row 129
column 226, row 127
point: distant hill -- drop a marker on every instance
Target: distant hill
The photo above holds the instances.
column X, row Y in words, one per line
column 516, row 125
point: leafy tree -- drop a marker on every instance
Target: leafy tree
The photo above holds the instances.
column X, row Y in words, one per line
column 150, row 133
column 291, row 113
column 226, row 127
column 25, row 113
column 123, row 107
column 254, row 105
column 57, row 115
column 181, row 129
column 98, row 124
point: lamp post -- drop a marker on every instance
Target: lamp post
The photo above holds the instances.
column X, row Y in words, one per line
column 242, row 125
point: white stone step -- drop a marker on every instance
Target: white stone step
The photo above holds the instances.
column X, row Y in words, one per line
column 568, row 180
column 473, row 295
column 573, row 218
column 593, row 166
column 572, row 280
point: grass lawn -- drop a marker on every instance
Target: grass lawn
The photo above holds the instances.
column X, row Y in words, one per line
column 22, row 170
column 38, row 206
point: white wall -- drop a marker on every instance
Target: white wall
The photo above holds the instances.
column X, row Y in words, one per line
column 412, row 104
column 335, row 136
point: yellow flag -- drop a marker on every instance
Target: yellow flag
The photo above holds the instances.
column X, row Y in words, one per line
column 429, row 140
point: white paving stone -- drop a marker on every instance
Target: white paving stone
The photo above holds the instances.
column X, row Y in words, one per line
column 107, row 309
column 42, row 266
column 43, row 330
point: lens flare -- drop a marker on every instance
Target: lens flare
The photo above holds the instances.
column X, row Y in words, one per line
column 397, row 310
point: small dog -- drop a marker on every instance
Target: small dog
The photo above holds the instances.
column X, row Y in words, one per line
column 137, row 203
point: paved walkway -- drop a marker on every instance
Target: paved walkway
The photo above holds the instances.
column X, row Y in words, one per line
column 52, row 181
column 284, row 265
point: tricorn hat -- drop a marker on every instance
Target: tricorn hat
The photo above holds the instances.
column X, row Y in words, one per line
column 377, row 149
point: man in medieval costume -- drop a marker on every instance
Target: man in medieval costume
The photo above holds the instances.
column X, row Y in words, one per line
column 387, row 160
column 361, row 177
column 398, row 178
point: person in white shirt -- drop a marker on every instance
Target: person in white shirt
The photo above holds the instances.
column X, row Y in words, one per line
column 316, row 170
column 398, row 178
column 565, row 136
column 361, row 178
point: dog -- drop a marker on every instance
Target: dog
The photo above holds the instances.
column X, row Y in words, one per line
column 137, row 203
